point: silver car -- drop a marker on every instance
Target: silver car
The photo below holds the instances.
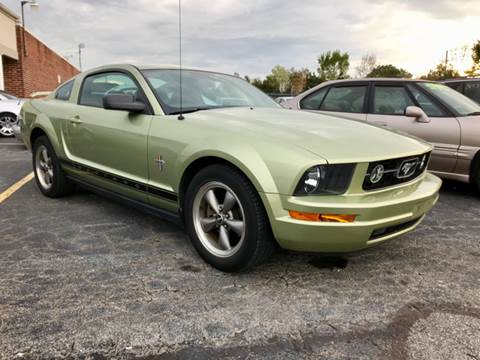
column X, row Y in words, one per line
column 429, row 110
column 9, row 110
column 282, row 100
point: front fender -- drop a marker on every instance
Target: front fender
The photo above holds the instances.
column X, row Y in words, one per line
column 270, row 167
column 245, row 158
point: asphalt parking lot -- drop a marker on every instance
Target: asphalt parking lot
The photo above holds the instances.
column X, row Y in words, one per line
column 84, row 277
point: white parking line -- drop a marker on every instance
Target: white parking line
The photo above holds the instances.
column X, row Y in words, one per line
column 11, row 190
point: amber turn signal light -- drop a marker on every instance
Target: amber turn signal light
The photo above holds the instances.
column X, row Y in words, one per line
column 343, row 218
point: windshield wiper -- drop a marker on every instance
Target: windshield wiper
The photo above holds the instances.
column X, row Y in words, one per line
column 191, row 110
column 473, row 113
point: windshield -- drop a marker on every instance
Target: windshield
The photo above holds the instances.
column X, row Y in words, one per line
column 8, row 96
column 203, row 90
column 460, row 103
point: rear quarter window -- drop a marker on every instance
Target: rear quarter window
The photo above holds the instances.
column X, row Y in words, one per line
column 64, row 91
column 345, row 99
column 313, row 100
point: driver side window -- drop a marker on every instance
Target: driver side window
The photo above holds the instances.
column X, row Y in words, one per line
column 430, row 108
column 96, row 86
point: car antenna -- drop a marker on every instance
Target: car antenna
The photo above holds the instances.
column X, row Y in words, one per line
column 180, row 116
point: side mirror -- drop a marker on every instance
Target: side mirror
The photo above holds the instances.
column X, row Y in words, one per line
column 417, row 113
column 126, row 102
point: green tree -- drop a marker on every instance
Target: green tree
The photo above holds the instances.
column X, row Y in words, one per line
column 298, row 80
column 312, row 80
column 475, row 70
column 442, row 72
column 267, row 85
column 259, row 84
column 476, row 53
column 389, row 71
column 281, row 76
column 333, row 65
column 270, row 84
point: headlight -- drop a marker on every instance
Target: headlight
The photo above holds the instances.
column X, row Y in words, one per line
column 325, row 180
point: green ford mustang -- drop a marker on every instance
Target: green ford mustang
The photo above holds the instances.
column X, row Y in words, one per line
column 240, row 172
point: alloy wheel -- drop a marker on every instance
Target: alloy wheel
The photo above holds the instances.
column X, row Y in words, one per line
column 219, row 219
column 6, row 124
column 44, row 167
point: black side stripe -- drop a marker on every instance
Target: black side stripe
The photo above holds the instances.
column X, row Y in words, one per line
column 168, row 195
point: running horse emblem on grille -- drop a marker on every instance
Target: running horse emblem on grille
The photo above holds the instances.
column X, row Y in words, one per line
column 159, row 162
column 407, row 168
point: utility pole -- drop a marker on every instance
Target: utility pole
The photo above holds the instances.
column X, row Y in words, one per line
column 80, row 47
column 446, row 58
column 33, row 6
column 23, row 30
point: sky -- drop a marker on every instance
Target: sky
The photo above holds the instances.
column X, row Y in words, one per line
column 251, row 37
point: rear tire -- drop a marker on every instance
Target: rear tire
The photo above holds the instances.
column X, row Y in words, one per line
column 49, row 175
column 226, row 220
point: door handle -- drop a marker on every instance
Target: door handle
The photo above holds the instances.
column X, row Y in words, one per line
column 75, row 120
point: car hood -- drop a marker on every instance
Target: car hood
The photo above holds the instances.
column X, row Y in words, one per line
column 335, row 139
column 11, row 105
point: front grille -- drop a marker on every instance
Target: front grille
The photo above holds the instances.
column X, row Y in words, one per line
column 385, row 231
column 384, row 173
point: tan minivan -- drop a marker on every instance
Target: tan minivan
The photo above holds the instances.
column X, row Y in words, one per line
column 432, row 111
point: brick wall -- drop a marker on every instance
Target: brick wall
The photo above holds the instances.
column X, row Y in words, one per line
column 40, row 70
column 12, row 76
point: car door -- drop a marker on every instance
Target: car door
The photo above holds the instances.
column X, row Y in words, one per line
column 110, row 144
column 387, row 106
column 347, row 100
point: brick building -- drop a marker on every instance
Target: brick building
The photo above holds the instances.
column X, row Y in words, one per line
column 26, row 69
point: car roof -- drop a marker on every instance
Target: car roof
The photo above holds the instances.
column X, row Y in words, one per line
column 461, row 80
column 376, row 79
column 148, row 67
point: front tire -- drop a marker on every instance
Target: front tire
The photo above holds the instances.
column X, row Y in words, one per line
column 476, row 176
column 226, row 220
column 49, row 175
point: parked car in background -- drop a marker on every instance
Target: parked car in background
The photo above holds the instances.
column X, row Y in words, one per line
column 235, row 168
column 470, row 87
column 429, row 110
column 9, row 110
column 282, row 100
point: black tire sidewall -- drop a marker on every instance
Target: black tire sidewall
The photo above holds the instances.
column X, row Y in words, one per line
column 476, row 178
column 59, row 183
column 244, row 254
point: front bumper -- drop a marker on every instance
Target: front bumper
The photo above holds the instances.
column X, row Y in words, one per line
column 381, row 216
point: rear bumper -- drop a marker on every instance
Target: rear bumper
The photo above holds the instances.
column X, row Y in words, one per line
column 380, row 216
